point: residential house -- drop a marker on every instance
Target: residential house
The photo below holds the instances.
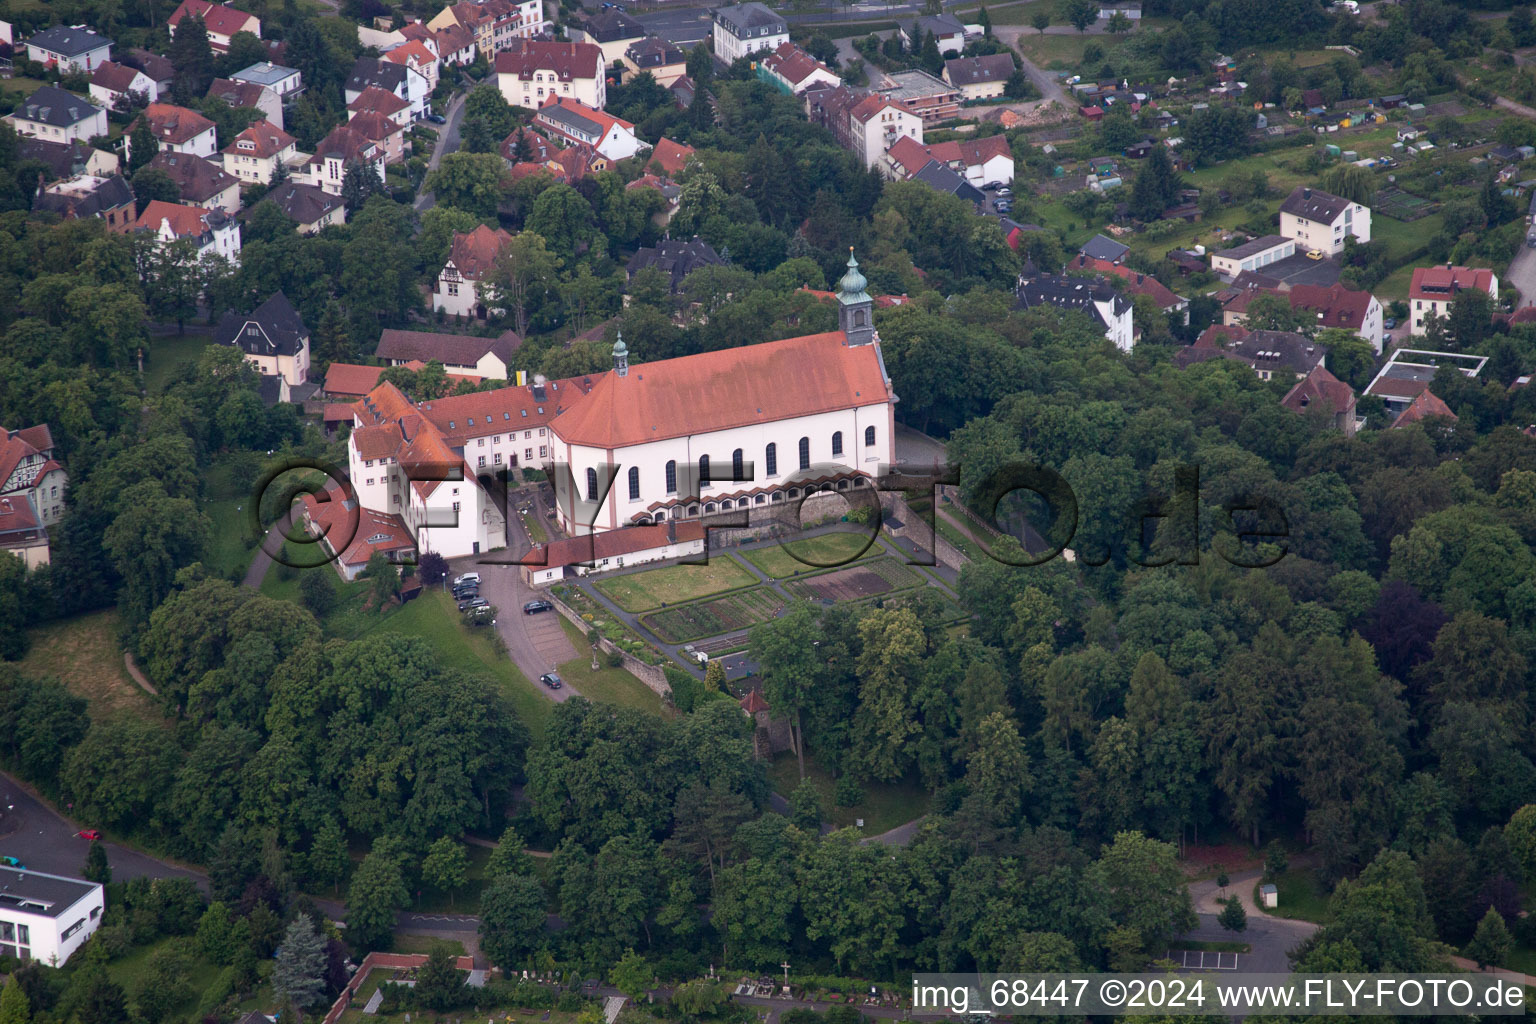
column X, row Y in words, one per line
column 374, row 100
column 1130, row 8
column 1253, row 254
column 1279, row 353
column 350, row 535
column 200, row 182
column 1409, row 372
column 159, row 69
column 656, row 57
column 86, row 195
column 1136, row 283
column 1319, row 220
column 674, row 257
column 256, row 153
column 489, row 358
column 339, row 150
column 930, row 98
column 611, row 31
column 455, row 45
column 1096, row 298
column 745, row 29
column 670, row 192
column 221, row 20
column 1321, row 393
column 417, row 56
column 1424, row 405
column 67, row 159
column 982, row 161
column 386, row 133
column 470, row 260
column 404, row 82
column 496, row 25
column 114, row 84
column 948, row 31
column 212, row 231
column 868, row 124
column 310, row 208
column 46, row 917
column 179, row 130
column 1106, row 249
column 1432, row 288
column 980, row 78
column 670, row 158
column 792, row 71
column 1337, row 306
column 942, row 178
column 69, row 48
column 249, row 94
column 536, row 69
column 54, row 115
column 287, row 83
column 32, row 486
column 575, row 122
column 682, row 91
column 272, row 336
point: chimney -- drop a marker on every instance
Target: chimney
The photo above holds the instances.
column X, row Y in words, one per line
column 1306, row 193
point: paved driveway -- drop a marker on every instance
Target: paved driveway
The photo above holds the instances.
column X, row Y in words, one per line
column 1521, row 275
column 1271, row 938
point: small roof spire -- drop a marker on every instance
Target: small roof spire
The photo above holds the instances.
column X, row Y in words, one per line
column 852, row 287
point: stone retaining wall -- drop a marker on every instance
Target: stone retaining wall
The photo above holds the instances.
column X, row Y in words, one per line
column 651, row 675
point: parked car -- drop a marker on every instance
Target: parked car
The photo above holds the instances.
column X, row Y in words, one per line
column 12, row 862
column 551, row 680
column 1004, row 190
column 90, row 833
column 473, row 602
column 1389, row 323
column 534, row 607
column 992, row 186
column 469, row 577
column 1314, row 254
column 437, row 119
column 1004, row 207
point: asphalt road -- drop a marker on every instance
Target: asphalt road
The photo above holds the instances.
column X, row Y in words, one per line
column 447, row 142
column 1270, row 938
column 1521, row 275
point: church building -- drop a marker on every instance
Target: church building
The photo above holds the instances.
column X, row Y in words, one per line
column 682, row 438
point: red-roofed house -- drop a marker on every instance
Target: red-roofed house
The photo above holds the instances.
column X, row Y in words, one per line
column 1424, row 405
column 536, row 69
column 575, row 123
column 384, row 131
column 791, row 70
column 980, row 160
column 1136, row 283
column 374, row 100
column 1432, row 289
column 32, row 485
column 255, row 153
column 905, row 158
column 470, row 260
column 249, row 94
column 351, row 534
column 1337, row 306
column 214, row 233
column 112, row 82
column 612, row 549
column 1321, row 393
column 350, row 380
column 455, row 45
column 222, row 20
column 669, row 157
column 415, row 55
column 179, row 130
column 339, row 150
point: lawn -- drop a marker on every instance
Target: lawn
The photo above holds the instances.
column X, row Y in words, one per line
column 84, row 654
column 424, row 943
column 712, row 618
column 1302, row 896
column 132, row 972
column 884, row 806
column 168, row 353
column 674, row 584
column 613, row 685
column 1056, row 52
column 801, row 556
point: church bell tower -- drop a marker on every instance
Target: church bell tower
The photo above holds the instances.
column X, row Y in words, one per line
column 855, row 309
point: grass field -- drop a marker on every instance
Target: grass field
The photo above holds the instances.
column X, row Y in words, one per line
column 84, row 654
column 168, row 353
column 613, row 685
column 133, row 973
column 674, row 584
column 884, row 806
column 711, row 618
column 812, row 554
column 1302, row 896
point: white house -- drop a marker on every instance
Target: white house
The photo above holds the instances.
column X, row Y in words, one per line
column 876, row 122
column 1320, row 220
column 399, row 79
column 461, row 354
column 980, row 160
column 273, row 338
column 793, row 70
column 286, row 82
column 470, row 259
column 1088, row 295
column 577, row 123
column 256, row 153
column 32, row 486
column 746, row 28
column 111, row 82
column 417, row 56
column 948, row 32
column 46, row 917
column 537, row 69
column 221, row 20
column 613, row 549
column 69, row 49
column 1433, row 288
column 687, row 438
column 179, row 130
column 980, row 78
column 213, row 231
column 248, row 94
column 327, row 168
column 1337, row 306
column 53, row 115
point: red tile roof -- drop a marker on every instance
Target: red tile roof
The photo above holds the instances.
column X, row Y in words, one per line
column 567, row 60
column 352, row 531
column 413, row 53
column 971, row 152
column 237, row 94
column 540, row 149
column 114, row 76
column 753, row 702
column 1426, row 404
column 186, row 221
column 374, row 100
column 671, row 156
column 1136, row 283
column 1441, row 282
column 175, row 125
column 909, row 154
column 266, row 140
column 221, row 19
column 613, row 543
column 351, row 379
column 375, row 127
column 793, row 64
column 728, row 388
column 1339, row 306
column 474, row 253
column 602, row 118
column 1319, row 386
column 870, row 106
